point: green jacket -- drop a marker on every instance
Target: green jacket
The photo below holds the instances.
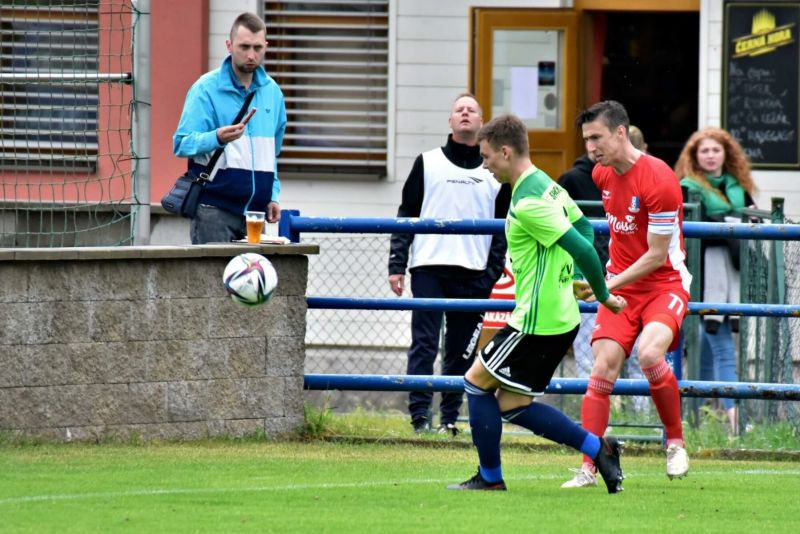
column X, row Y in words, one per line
column 715, row 206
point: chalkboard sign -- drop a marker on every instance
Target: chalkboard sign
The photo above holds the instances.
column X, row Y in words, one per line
column 761, row 78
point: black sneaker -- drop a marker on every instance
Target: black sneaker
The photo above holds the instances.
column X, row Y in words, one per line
column 448, row 428
column 478, row 483
column 735, row 321
column 421, row 425
column 607, row 463
column 712, row 326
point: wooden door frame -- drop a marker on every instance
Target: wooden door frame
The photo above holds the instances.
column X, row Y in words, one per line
column 483, row 21
column 639, row 5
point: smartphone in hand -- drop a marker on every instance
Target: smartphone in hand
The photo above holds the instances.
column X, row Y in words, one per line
column 249, row 116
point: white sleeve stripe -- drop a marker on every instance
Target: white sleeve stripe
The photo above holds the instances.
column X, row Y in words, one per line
column 662, row 229
column 663, row 218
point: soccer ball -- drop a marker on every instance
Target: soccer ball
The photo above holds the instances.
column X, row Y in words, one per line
column 250, row 279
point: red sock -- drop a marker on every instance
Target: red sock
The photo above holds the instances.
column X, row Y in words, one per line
column 667, row 398
column 596, row 407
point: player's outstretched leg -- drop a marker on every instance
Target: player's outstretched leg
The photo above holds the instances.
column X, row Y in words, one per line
column 607, row 463
column 551, row 423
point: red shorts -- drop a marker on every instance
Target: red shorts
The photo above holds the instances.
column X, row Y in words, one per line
column 663, row 305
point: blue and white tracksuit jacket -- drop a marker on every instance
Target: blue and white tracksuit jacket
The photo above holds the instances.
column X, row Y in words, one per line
column 246, row 176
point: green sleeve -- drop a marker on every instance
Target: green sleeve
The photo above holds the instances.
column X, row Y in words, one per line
column 585, row 257
column 584, row 227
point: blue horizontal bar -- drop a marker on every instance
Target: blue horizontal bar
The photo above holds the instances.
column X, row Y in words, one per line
column 378, row 225
column 569, row 386
column 695, row 308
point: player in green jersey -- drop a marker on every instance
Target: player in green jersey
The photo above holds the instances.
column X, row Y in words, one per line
column 550, row 245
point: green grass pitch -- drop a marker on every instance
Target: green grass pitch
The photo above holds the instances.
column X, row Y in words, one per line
column 256, row 486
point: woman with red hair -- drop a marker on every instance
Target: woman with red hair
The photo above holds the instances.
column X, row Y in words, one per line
column 714, row 165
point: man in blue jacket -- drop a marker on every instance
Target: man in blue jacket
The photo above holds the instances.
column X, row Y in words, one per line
column 245, row 177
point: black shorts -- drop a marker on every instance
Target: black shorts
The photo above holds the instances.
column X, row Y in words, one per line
column 525, row 363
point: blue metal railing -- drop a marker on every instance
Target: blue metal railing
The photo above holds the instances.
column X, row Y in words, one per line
column 370, row 303
column 292, row 224
column 577, row 386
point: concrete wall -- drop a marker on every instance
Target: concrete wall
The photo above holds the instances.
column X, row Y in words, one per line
column 143, row 341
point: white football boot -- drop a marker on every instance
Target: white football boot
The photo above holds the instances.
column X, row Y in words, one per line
column 677, row 462
column 584, row 478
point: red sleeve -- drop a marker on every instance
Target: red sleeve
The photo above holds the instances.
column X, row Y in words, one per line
column 661, row 195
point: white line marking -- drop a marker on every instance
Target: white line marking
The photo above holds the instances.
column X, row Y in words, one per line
column 374, row 483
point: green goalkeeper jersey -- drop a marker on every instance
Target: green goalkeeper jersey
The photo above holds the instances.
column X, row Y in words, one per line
column 541, row 213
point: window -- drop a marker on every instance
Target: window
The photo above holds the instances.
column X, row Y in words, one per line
column 48, row 114
column 330, row 58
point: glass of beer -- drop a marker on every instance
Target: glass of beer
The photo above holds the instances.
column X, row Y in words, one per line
column 255, row 225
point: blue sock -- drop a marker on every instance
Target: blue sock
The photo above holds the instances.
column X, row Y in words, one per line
column 546, row 421
column 487, row 427
column 591, row 445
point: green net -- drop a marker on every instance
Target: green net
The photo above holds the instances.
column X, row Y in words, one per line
column 66, row 172
column 768, row 345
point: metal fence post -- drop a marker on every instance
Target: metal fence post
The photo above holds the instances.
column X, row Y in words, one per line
column 691, row 323
column 773, row 295
column 141, row 123
column 285, row 225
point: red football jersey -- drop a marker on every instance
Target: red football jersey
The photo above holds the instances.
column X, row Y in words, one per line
column 645, row 199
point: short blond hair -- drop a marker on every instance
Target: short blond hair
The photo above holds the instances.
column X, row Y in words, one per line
column 468, row 95
column 506, row 129
column 637, row 138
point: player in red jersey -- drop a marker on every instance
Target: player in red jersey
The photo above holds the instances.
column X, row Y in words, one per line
column 643, row 203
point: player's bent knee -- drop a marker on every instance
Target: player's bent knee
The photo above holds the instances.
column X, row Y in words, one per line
column 508, row 400
column 479, row 376
column 608, row 366
column 650, row 357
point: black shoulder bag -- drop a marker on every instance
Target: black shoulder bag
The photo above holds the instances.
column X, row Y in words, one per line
column 184, row 197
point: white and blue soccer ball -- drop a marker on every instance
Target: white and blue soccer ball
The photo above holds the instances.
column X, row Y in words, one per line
column 250, row 279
